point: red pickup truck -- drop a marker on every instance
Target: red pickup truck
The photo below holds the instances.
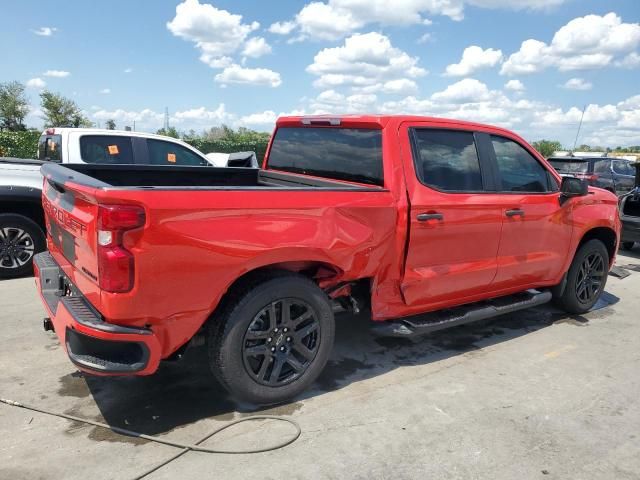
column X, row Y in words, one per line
column 428, row 223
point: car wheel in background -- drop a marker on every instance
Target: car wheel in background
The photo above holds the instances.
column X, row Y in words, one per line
column 20, row 239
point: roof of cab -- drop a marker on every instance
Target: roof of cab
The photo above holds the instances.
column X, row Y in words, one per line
column 373, row 120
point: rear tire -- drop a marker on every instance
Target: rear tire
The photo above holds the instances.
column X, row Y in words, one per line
column 586, row 278
column 627, row 245
column 20, row 239
column 261, row 353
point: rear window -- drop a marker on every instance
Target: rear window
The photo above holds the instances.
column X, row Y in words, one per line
column 624, row 167
column 49, row 148
column 570, row 166
column 352, row 154
column 109, row 149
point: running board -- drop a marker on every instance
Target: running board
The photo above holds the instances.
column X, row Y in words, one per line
column 473, row 312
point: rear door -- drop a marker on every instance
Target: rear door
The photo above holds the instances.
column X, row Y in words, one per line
column 455, row 217
column 536, row 230
column 624, row 174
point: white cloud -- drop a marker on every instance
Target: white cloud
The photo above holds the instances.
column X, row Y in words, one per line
column 587, row 42
column 128, row 70
column 474, row 58
column 261, row 118
column 56, row 73
column 424, row 38
column 256, row 47
column 334, row 19
column 202, row 115
column 282, row 28
column 36, row 83
column 235, row 74
column 364, row 60
column 331, row 101
column 45, row 31
column 105, row 91
column 514, row 86
column 468, row 90
column 215, row 32
column 577, row 84
column 632, row 60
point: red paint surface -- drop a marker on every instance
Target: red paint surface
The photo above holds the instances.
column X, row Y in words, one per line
column 195, row 244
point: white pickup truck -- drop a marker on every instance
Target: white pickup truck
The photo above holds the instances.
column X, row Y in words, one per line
column 21, row 216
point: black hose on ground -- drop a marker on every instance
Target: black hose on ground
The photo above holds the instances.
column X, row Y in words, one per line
column 184, row 446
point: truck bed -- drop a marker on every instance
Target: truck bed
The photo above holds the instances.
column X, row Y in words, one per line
column 174, row 177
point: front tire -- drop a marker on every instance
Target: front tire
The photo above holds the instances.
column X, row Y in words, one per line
column 20, row 239
column 586, row 279
column 272, row 339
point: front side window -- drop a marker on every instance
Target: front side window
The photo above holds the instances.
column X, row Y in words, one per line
column 106, row 149
column 447, row 160
column 169, row 153
column 518, row 170
column 351, row 154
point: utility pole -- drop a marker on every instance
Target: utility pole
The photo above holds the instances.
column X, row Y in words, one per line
column 166, row 119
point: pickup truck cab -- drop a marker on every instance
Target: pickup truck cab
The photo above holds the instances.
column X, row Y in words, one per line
column 614, row 174
column 22, row 219
column 424, row 222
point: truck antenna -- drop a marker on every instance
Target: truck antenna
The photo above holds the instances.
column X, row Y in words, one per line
column 579, row 127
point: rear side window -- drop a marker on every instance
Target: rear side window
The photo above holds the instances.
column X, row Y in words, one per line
column 447, row 160
column 50, row 148
column 623, row 167
column 351, row 154
column 570, row 166
column 169, row 153
column 106, row 149
column 518, row 170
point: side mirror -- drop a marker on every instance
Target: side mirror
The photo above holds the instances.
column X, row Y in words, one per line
column 573, row 187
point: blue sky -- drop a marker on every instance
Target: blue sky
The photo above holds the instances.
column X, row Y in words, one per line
column 246, row 62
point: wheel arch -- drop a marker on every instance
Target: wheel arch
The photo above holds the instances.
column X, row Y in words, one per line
column 606, row 235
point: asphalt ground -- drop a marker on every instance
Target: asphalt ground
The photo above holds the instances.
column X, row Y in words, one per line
column 535, row 394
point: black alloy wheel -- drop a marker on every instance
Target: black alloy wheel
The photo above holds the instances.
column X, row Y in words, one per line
column 590, row 275
column 281, row 342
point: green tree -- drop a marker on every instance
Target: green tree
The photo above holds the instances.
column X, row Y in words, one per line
column 14, row 106
column 547, row 147
column 170, row 132
column 61, row 112
column 110, row 124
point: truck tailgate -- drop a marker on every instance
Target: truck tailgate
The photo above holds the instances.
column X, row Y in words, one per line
column 70, row 216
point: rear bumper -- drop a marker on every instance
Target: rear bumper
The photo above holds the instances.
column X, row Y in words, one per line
column 93, row 345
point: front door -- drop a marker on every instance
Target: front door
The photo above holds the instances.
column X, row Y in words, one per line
column 455, row 218
column 536, row 232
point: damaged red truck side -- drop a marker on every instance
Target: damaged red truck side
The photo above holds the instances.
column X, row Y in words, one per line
column 427, row 223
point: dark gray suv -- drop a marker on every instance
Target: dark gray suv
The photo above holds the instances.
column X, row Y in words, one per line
column 614, row 174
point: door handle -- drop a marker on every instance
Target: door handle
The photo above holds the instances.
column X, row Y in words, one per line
column 514, row 212
column 425, row 217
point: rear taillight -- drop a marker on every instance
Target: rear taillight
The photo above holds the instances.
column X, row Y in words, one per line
column 115, row 263
column 590, row 178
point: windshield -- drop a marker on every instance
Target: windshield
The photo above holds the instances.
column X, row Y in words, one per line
column 352, row 154
column 624, row 167
column 570, row 166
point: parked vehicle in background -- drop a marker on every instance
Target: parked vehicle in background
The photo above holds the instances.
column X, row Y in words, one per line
column 22, row 219
column 426, row 223
column 630, row 216
column 235, row 159
column 613, row 174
